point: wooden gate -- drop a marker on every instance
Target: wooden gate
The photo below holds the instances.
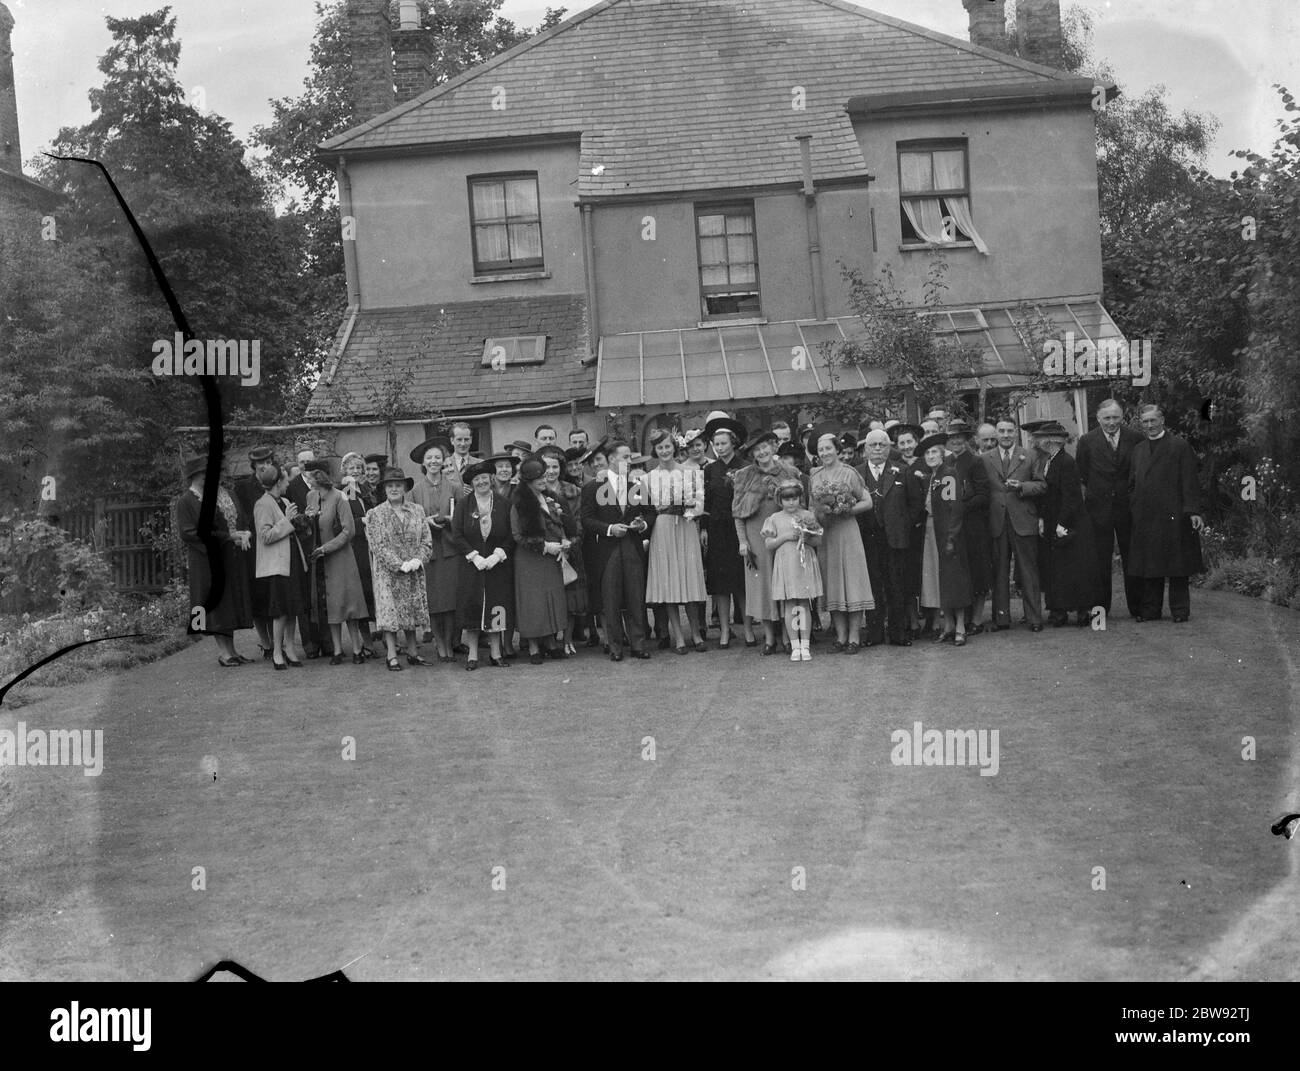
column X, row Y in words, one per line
column 135, row 537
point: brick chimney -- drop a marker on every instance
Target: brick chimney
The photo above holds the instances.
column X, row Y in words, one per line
column 988, row 23
column 1038, row 30
column 412, row 53
column 11, row 155
column 372, row 58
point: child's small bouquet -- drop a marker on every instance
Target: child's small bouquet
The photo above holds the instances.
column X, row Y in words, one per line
column 837, row 503
column 807, row 527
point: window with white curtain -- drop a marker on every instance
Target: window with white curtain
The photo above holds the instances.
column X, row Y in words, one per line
column 505, row 222
column 728, row 260
column 934, row 194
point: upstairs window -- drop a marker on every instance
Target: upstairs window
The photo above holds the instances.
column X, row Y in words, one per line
column 728, row 261
column 934, row 195
column 506, row 223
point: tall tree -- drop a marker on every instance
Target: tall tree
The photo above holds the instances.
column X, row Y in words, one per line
column 206, row 211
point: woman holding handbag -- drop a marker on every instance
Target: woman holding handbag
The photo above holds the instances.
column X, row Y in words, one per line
column 486, row 591
column 401, row 544
column 537, row 526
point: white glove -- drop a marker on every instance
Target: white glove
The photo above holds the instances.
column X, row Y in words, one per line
column 499, row 554
column 480, row 562
column 1061, row 531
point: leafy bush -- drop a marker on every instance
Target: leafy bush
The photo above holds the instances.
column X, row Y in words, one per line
column 26, row 639
column 1266, row 578
column 42, row 568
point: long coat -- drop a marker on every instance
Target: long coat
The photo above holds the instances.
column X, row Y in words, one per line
column 724, row 571
column 345, row 598
column 1067, row 567
column 948, row 510
column 975, row 519
column 1164, row 495
column 398, row 534
column 442, row 572
column 485, row 597
column 539, row 584
column 234, row 611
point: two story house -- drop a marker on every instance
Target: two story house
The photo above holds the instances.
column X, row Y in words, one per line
column 645, row 209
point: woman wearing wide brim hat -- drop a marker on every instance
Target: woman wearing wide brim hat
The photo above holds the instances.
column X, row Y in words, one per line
column 753, row 501
column 401, row 544
column 438, row 493
column 537, row 526
column 1067, row 562
column 480, row 532
column 724, row 568
column 232, row 535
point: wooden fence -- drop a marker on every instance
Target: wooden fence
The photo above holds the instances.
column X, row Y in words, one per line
column 120, row 530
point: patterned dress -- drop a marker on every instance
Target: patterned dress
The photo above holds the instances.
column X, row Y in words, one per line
column 843, row 560
column 398, row 534
column 675, row 572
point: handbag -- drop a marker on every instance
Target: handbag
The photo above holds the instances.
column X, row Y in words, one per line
column 567, row 571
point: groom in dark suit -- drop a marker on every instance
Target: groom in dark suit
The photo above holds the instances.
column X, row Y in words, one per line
column 897, row 505
column 1104, row 457
column 1013, row 523
column 613, row 514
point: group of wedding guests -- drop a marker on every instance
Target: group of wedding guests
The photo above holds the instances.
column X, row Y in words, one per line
column 540, row 547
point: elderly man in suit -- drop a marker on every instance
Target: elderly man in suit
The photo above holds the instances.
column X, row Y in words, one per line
column 615, row 517
column 1104, row 457
column 1013, row 524
column 898, row 504
column 1166, row 505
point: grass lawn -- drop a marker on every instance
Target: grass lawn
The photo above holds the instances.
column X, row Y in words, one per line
column 1119, row 749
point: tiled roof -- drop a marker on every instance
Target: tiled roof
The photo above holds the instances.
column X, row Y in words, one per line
column 760, row 362
column 674, row 95
column 445, row 343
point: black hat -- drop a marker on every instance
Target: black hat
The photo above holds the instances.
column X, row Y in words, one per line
column 377, row 459
column 960, row 427
column 725, row 423
column 195, row 465
column 894, row 431
column 481, row 468
column 848, row 440
column 260, row 453
column 601, row 447
column 316, row 466
column 417, row 455
column 519, row 444
column 574, row 453
column 937, row 439
column 533, row 468
column 551, row 450
column 789, row 450
column 1032, row 426
column 514, row 461
column 393, row 474
column 766, row 435
column 1050, row 429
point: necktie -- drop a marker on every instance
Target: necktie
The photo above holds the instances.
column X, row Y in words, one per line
column 1006, row 461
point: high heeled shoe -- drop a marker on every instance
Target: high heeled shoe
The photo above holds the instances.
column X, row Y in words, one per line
column 499, row 663
column 290, row 662
column 278, row 665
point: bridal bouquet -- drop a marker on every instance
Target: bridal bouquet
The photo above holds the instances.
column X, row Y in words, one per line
column 837, row 503
column 806, row 525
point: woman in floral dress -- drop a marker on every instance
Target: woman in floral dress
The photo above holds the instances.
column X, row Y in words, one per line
column 401, row 544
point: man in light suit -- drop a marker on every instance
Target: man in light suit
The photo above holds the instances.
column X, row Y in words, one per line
column 1013, row 524
column 1104, row 457
column 614, row 516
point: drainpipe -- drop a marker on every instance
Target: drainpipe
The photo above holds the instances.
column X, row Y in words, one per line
column 814, row 230
column 349, row 246
column 589, row 264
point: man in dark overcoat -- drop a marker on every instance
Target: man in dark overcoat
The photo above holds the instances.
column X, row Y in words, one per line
column 1104, row 457
column 1166, row 508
